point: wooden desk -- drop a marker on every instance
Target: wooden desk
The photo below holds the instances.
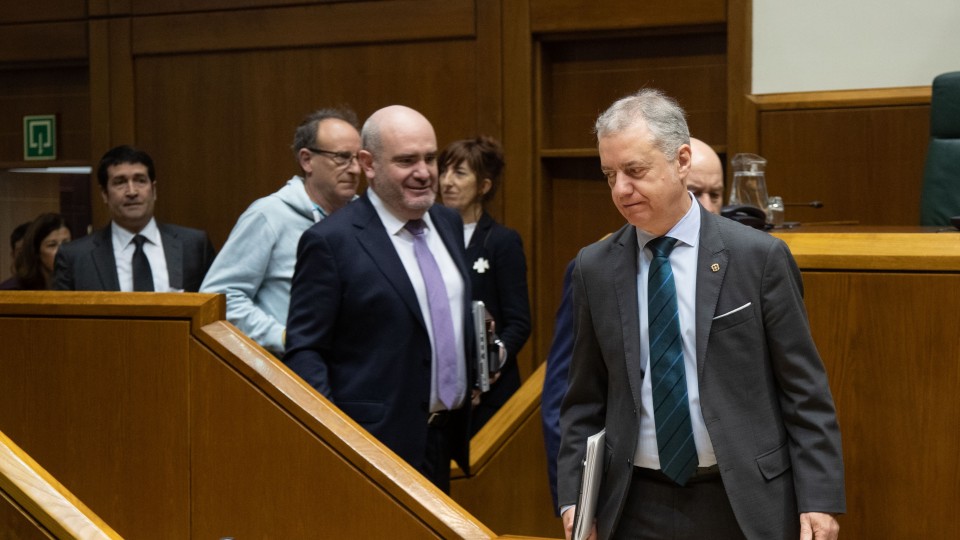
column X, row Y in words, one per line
column 883, row 307
column 920, row 249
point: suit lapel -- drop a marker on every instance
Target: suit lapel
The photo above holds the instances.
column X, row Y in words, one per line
column 453, row 240
column 173, row 253
column 484, row 224
column 712, row 259
column 624, row 264
column 104, row 261
column 379, row 247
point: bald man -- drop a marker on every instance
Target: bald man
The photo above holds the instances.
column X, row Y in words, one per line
column 705, row 179
column 363, row 329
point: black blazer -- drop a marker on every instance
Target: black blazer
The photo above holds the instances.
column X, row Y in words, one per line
column 498, row 276
column 87, row 264
column 355, row 331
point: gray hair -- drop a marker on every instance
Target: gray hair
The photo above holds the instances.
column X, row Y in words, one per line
column 306, row 134
column 662, row 114
column 370, row 139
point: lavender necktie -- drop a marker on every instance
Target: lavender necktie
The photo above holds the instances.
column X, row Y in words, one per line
column 441, row 321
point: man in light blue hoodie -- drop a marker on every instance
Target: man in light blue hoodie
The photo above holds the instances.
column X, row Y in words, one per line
column 255, row 267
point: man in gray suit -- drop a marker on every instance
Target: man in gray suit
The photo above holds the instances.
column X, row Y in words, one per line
column 133, row 252
column 693, row 351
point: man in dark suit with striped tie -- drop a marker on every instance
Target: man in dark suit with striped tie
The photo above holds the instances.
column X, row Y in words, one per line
column 693, row 351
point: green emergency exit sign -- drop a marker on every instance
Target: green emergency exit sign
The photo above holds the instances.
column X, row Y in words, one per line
column 40, row 137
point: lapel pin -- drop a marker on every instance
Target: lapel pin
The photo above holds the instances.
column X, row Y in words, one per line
column 715, row 267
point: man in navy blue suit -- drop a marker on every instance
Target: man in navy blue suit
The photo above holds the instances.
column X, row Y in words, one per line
column 361, row 326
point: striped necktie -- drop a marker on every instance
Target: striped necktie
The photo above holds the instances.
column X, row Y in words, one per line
column 678, row 452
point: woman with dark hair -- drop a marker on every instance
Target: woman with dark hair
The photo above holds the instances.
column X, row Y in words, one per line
column 469, row 176
column 33, row 267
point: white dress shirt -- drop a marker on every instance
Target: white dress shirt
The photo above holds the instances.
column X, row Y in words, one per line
column 683, row 261
column 468, row 230
column 403, row 243
column 123, row 248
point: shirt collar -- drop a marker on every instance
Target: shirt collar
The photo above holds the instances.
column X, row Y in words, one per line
column 686, row 231
column 392, row 223
column 122, row 237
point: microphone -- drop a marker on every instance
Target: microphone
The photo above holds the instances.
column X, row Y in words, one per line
column 811, row 204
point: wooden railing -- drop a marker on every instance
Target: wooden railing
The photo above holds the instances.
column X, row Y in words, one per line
column 170, row 423
column 509, row 490
column 34, row 505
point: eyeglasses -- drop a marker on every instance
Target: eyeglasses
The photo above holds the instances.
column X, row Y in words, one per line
column 340, row 159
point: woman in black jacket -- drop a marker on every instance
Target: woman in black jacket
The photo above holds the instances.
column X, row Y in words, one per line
column 469, row 176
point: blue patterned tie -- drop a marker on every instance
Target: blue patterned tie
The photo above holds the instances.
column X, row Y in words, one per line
column 671, row 408
column 448, row 387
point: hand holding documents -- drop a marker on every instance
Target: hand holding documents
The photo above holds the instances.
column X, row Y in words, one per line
column 490, row 352
column 589, row 486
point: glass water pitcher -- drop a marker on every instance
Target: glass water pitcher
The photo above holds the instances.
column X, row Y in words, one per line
column 749, row 183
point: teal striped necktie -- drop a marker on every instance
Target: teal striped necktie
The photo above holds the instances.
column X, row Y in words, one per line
column 678, row 452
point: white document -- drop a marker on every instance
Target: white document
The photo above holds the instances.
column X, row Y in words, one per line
column 589, row 486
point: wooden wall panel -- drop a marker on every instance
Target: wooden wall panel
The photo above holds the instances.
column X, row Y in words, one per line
column 582, row 78
column 42, row 10
column 59, row 90
column 238, row 489
column 741, row 116
column 519, row 187
column 220, row 136
column 146, row 7
column 111, row 84
column 576, row 211
column 577, row 78
column 570, row 15
column 489, row 54
column 141, row 407
column 324, row 24
column 509, row 490
column 112, row 98
column 43, row 42
column 891, row 353
column 865, row 163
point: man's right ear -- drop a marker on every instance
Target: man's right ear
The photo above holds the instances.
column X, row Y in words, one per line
column 303, row 158
column 365, row 159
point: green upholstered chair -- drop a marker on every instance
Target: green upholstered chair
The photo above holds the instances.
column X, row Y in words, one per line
column 940, row 198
